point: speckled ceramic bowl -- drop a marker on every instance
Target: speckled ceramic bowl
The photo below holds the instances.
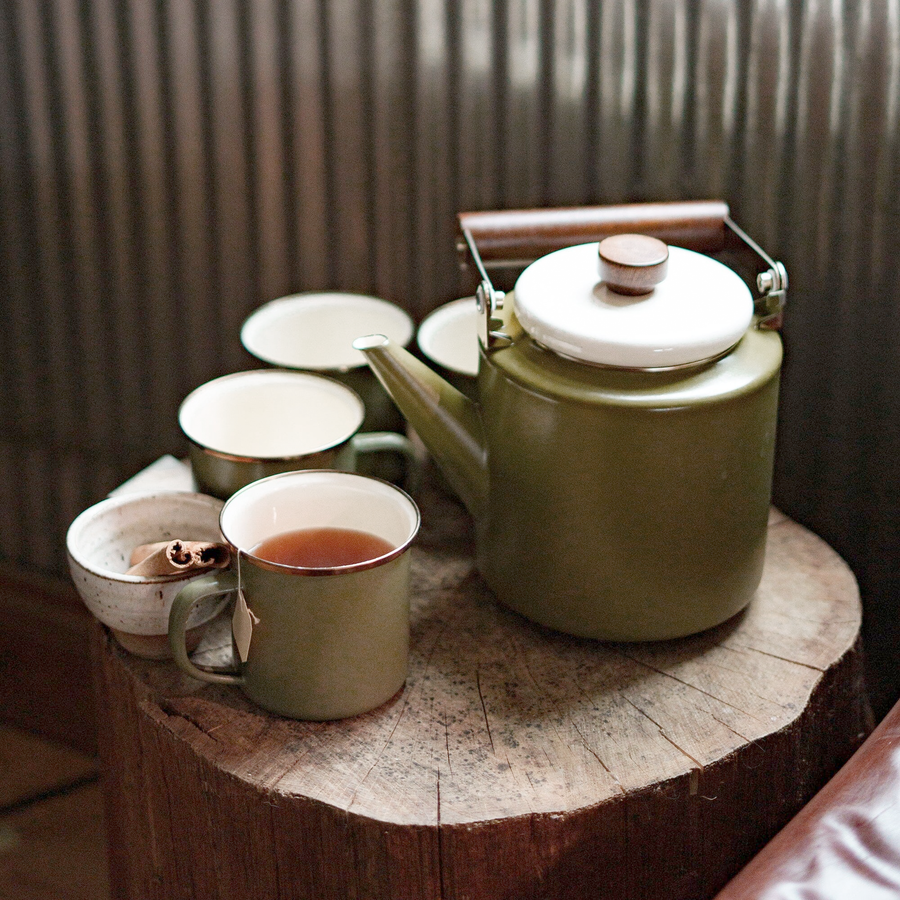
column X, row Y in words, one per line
column 99, row 544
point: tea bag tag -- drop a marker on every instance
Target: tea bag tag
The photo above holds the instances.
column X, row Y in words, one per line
column 242, row 623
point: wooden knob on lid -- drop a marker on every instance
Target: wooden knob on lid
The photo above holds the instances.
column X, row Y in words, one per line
column 632, row 264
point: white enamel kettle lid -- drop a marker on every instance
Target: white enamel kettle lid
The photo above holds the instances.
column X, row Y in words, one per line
column 632, row 302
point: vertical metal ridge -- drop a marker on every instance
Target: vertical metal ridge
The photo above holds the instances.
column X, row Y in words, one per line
column 55, row 256
column 618, row 91
column 591, row 102
column 764, row 153
column 564, row 71
column 308, row 122
column 864, row 188
column 119, row 304
column 248, row 63
column 520, row 64
column 272, row 221
column 103, row 329
column 368, row 38
column 160, row 82
column 415, row 248
column 19, row 364
column 227, row 292
column 393, row 159
column 148, row 209
column 286, row 180
column 435, row 145
column 670, row 63
column 347, row 167
column 497, row 83
column 329, row 173
column 91, row 388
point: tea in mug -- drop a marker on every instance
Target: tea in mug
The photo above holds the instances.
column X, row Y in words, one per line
column 322, row 548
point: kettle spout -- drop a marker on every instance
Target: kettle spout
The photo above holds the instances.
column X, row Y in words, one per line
column 447, row 421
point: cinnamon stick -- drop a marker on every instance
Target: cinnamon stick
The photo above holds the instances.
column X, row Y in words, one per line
column 177, row 557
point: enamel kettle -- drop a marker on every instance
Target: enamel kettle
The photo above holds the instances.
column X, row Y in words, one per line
column 618, row 460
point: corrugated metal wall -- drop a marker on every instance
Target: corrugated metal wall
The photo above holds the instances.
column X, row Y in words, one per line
column 167, row 165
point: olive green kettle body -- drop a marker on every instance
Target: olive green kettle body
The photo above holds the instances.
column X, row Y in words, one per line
column 622, row 502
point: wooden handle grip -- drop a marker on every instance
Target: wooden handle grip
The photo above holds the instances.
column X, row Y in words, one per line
column 523, row 235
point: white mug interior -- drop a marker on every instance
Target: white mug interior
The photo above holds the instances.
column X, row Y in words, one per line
column 449, row 336
column 316, row 331
column 319, row 498
column 270, row 414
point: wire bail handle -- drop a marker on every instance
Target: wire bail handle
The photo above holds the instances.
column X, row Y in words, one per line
column 518, row 237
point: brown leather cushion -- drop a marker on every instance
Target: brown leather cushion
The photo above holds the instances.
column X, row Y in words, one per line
column 845, row 843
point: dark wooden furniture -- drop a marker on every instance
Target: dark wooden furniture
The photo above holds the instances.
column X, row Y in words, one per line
column 516, row 763
column 845, row 843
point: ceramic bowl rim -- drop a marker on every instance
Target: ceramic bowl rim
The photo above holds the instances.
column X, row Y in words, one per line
column 110, row 503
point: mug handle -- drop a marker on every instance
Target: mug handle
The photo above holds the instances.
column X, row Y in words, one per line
column 190, row 594
column 380, row 442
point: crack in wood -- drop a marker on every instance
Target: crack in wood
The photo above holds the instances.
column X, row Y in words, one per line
column 513, row 770
column 174, row 713
column 447, row 745
column 662, row 731
column 437, row 639
column 484, row 709
column 276, row 867
column 693, row 782
column 584, row 741
column 384, row 746
column 693, row 687
column 581, row 737
column 743, row 737
column 596, row 756
column 795, row 662
column 743, row 674
column 273, row 785
column 794, row 618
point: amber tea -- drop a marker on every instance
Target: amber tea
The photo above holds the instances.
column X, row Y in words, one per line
column 322, row 548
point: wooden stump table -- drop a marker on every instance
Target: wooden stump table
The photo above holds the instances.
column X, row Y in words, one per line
column 516, row 763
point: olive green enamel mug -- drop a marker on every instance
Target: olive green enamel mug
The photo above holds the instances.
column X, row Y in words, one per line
column 249, row 425
column 321, row 575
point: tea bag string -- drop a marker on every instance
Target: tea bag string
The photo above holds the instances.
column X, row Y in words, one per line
column 243, row 620
column 242, row 599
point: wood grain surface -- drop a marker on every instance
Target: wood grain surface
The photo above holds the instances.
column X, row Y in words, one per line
column 517, row 762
